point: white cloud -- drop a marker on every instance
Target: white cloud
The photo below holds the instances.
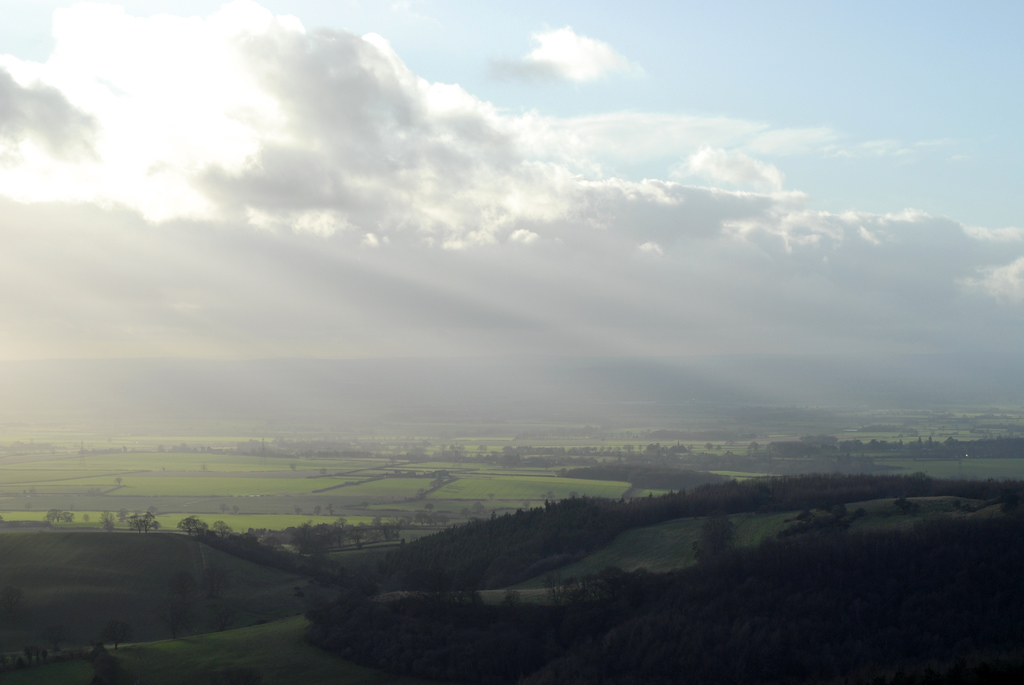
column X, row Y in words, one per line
column 564, row 55
column 590, row 144
column 1008, row 234
column 734, row 168
column 1004, row 283
column 868, row 236
column 524, row 236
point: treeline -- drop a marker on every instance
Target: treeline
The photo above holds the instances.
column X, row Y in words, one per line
column 249, row 548
column 811, row 608
column 1004, row 671
column 950, row 448
column 646, row 477
column 511, row 548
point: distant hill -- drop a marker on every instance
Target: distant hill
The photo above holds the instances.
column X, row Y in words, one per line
column 136, row 393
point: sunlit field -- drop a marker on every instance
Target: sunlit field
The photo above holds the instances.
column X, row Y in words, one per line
column 275, row 650
column 404, row 471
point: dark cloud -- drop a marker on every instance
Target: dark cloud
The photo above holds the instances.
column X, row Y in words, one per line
column 43, row 115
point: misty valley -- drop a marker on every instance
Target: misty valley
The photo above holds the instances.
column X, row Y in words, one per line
column 412, row 342
column 747, row 544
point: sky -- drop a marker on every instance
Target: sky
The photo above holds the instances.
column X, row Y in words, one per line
column 249, row 180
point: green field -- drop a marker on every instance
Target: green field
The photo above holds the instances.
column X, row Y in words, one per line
column 183, row 461
column 520, row 488
column 279, row 480
column 239, row 523
column 205, row 484
column 81, row 581
column 276, row 650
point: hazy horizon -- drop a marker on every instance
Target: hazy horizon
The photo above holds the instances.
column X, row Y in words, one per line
column 360, row 394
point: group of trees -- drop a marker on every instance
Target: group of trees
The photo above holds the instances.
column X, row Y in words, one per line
column 143, row 523
column 60, row 516
column 314, row 539
column 55, row 635
column 318, row 539
column 196, row 527
column 178, row 609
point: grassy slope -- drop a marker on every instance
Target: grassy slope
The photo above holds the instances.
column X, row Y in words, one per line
column 276, row 649
column 82, row 580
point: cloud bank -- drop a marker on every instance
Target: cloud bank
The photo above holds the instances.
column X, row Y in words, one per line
column 278, row 191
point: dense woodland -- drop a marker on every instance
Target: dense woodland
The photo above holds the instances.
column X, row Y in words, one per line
column 512, row 548
column 808, row 607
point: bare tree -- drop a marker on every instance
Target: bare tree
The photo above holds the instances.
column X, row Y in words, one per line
column 358, row 535
column 193, row 525
column 55, row 634
column 177, row 614
column 10, row 598
column 223, row 615
column 215, row 580
column 182, row 584
column 143, row 523
column 116, row 632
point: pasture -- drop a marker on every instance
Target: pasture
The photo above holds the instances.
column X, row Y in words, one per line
column 286, row 479
column 257, row 491
column 275, row 650
column 82, row 581
column 519, row 488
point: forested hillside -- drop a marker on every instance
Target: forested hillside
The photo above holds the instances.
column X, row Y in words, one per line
column 508, row 549
column 807, row 607
column 791, row 610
